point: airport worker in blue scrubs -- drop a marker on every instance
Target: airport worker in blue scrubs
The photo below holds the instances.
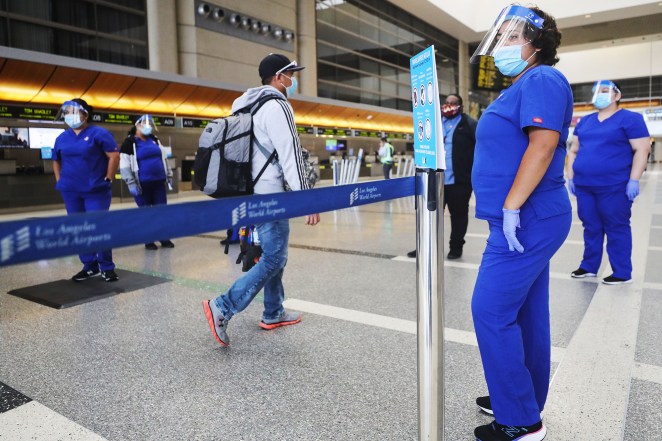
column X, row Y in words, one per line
column 85, row 159
column 144, row 168
column 520, row 191
column 606, row 160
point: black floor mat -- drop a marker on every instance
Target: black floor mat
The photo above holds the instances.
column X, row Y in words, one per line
column 67, row 293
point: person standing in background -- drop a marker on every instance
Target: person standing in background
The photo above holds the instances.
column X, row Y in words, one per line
column 459, row 143
column 85, row 159
column 386, row 152
column 606, row 160
column 144, row 168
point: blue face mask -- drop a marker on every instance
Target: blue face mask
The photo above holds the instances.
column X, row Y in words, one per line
column 602, row 100
column 146, row 130
column 73, row 120
column 508, row 60
column 292, row 89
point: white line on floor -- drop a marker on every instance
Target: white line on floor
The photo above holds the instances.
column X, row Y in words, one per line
column 650, row 285
column 647, row 372
column 656, row 227
column 655, row 248
column 394, row 324
column 474, row 266
column 34, row 421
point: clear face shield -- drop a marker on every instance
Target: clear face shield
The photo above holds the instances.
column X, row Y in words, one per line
column 72, row 114
column 604, row 93
column 146, row 125
column 515, row 26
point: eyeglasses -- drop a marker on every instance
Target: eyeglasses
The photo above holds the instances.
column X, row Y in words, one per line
column 289, row 66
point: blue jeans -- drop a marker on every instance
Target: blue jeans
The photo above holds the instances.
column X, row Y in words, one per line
column 267, row 274
column 84, row 202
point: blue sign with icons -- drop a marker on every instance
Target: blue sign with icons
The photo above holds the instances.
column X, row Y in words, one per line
column 428, row 139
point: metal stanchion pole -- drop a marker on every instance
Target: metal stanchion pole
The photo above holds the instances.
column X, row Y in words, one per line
column 429, row 288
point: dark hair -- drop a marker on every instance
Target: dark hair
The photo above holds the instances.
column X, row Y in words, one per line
column 459, row 98
column 619, row 89
column 549, row 39
column 88, row 109
column 383, row 138
column 267, row 80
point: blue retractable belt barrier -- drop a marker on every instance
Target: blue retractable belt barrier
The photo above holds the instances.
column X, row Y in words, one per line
column 45, row 238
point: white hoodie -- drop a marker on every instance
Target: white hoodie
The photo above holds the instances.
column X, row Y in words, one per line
column 274, row 129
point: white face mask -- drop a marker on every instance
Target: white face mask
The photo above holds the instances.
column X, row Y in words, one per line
column 292, row 89
column 73, row 120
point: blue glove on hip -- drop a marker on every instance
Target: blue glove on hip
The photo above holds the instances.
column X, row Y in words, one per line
column 632, row 189
column 135, row 191
column 510, row 223
column 571, row 186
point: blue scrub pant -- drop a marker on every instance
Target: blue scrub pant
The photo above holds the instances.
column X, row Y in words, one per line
column 84, row 202
column 606, row 210
column 510, row 309
column 153, row 193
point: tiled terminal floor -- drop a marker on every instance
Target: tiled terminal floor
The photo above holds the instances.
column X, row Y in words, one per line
column 143, row 366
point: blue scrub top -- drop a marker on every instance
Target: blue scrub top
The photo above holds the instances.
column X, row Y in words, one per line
column 605, row 155
column 449, row 126
column 83, row 159
column 150, row 161
column 540, row 98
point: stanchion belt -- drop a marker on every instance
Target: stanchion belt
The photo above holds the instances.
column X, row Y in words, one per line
column 45, row 238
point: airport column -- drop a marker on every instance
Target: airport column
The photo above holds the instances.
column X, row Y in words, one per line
column 307, row 47
column 162, row 36
column 464, row 71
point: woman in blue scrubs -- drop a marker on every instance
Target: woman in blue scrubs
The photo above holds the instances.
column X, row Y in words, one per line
column 607, row 158
column 520, row 191
column 144, row 168
column 85, row 161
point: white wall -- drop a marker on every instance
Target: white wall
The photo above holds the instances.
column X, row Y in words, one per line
column 618, row 62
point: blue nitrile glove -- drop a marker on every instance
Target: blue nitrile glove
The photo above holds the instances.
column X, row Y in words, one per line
column 135, row 191
column 571, row 186
column 632, row 189
column 510, row 223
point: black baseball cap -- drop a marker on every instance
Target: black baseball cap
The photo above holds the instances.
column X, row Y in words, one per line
column 275, row 63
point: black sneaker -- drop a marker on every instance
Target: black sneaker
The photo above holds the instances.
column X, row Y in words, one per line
column 452, row 255
column 412, row 254
column 580, row 273
column 611, row 280
column 109, row 276
column 85, row 274
column 499, row 432
column 167, row 244
column 485, row 404
column 151, row 246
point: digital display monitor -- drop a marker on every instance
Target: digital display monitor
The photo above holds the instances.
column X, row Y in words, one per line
column 331, row 145
column 410, row 147
column 46, row 153
column 342, row 144
column 14, row 138
column 41, row 137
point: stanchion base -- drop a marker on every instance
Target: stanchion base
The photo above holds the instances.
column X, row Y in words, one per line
column 67, row 293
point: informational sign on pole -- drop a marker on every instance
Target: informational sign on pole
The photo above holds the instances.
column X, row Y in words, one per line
column 428, row 135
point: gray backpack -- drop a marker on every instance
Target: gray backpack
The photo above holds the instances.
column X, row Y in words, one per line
column 222, row 166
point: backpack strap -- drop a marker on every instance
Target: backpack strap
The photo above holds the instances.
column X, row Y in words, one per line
column 270, row 157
